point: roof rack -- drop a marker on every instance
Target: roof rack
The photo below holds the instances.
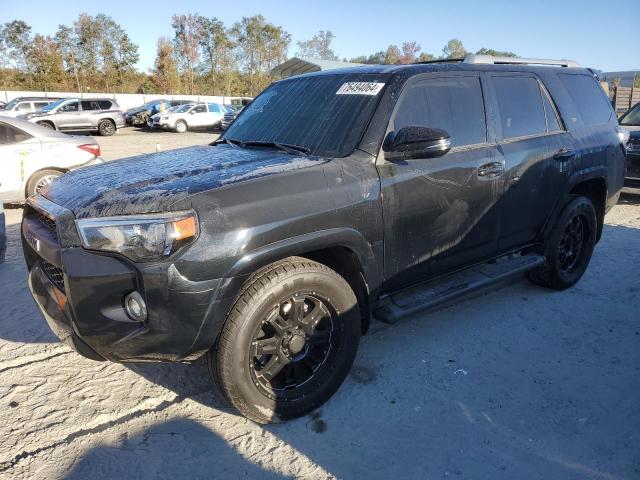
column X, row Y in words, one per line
column 491, row 60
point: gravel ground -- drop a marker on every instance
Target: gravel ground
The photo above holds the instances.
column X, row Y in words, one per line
column 522, row 383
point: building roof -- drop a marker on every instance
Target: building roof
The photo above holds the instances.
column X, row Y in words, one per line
column 299, row 65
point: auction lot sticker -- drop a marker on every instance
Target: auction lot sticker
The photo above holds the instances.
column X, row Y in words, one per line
column 360, row 88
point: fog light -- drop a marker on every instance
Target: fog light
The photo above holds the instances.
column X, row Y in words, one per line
column 135, row 306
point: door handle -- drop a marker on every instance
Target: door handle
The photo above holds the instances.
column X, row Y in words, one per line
column 491, row 170
column 564, row 154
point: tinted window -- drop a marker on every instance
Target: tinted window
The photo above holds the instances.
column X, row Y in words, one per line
column 324, row 113
column 520, row 106
column 200, row 109
column 10, row 135
column 104, row 104
column 588, row 97
column 553, row 123
column 69, row 107
column 39, row 105
column 214, row 108
column 451, row 104
column 89, row 105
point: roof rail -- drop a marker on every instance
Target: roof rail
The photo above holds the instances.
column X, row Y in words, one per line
column 491, row 60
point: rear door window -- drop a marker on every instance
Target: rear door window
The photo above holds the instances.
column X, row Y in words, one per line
column 588, row 97
column 453, row 104
column 24, row 107
column 10, row 135
column 200, row 109
column 520, row 106
column 40, row 105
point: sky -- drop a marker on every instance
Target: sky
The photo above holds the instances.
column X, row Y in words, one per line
column 597, row 34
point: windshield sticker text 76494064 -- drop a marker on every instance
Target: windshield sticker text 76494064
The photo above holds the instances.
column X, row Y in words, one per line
column 360, row 88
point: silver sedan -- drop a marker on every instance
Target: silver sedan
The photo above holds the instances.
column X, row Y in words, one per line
column 33, row 156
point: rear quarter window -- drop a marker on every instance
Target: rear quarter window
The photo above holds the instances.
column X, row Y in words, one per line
column 104, row 104
column 588, row 98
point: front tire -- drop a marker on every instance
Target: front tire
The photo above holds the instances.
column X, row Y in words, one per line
column 181, row 126
column 48, row 125
column 569, row 247
column 288, row 342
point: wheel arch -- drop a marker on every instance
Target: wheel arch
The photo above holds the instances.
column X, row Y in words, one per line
column 48, row 122
column 595, row 189
column 344, row 250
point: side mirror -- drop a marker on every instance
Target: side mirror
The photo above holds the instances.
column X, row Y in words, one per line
column 416, row 142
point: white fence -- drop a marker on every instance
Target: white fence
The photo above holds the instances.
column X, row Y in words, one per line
column 125, row 100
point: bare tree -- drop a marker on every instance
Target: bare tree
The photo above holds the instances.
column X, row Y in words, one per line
column 187, row 43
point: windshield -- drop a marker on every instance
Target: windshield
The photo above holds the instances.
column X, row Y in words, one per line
column 11, row 104
column 632, row 118
column 53, row 105
column 326, row 113
column 182, row 108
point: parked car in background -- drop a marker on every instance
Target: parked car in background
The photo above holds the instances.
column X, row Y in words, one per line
column 230, row 116
column 142, row 115
column 73, row 114
column 630, row 122
column 191, row 116
column 33, row 156
column 334, row 197
column 23, row 105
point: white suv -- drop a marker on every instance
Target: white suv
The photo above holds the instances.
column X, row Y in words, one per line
column 22, row 105
column 191, row 115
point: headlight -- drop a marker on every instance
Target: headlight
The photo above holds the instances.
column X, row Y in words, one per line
column 142, row 238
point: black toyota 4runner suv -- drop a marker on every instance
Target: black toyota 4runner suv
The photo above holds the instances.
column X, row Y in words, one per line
column 334, row 197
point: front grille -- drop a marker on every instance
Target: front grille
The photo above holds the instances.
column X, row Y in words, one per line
column 49, row 223
column 54, row 274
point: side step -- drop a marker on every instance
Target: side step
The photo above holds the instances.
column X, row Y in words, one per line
column 426, row 296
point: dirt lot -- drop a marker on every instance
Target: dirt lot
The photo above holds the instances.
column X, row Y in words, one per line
column 134, row 141
column 521, row 383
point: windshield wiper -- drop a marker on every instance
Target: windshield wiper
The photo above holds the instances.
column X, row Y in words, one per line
column 285, row 147
column 230, row 141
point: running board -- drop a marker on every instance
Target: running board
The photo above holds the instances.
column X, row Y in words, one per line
column 426, row 296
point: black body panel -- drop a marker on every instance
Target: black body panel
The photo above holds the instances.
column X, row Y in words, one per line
column 404, row 222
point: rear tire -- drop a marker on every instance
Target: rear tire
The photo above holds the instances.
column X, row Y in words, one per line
column 181, row 126
column 106, row 128
column 288, row 342
column 40, row 180
column 569, row 247
column 47, row 125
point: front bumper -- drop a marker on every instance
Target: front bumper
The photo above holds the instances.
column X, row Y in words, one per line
column 81, row 295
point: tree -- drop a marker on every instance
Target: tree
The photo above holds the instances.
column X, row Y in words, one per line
column 453, row 49
column 66, row 42
column 392, row 55
column 261, row 46
column 18, row 41
column 495, row 53
column 377, row 58
column 118, row 54
column 408, row 53
column 425, row 57
column 165, row 74
column 46, row 63
column 187, row 43
column 319, row 46
column 87, row 43
column 217, row 48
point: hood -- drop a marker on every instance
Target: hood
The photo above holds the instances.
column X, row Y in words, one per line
column 151, row 183
column 133, row 111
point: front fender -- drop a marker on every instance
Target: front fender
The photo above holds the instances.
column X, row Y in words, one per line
column 228, row 288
